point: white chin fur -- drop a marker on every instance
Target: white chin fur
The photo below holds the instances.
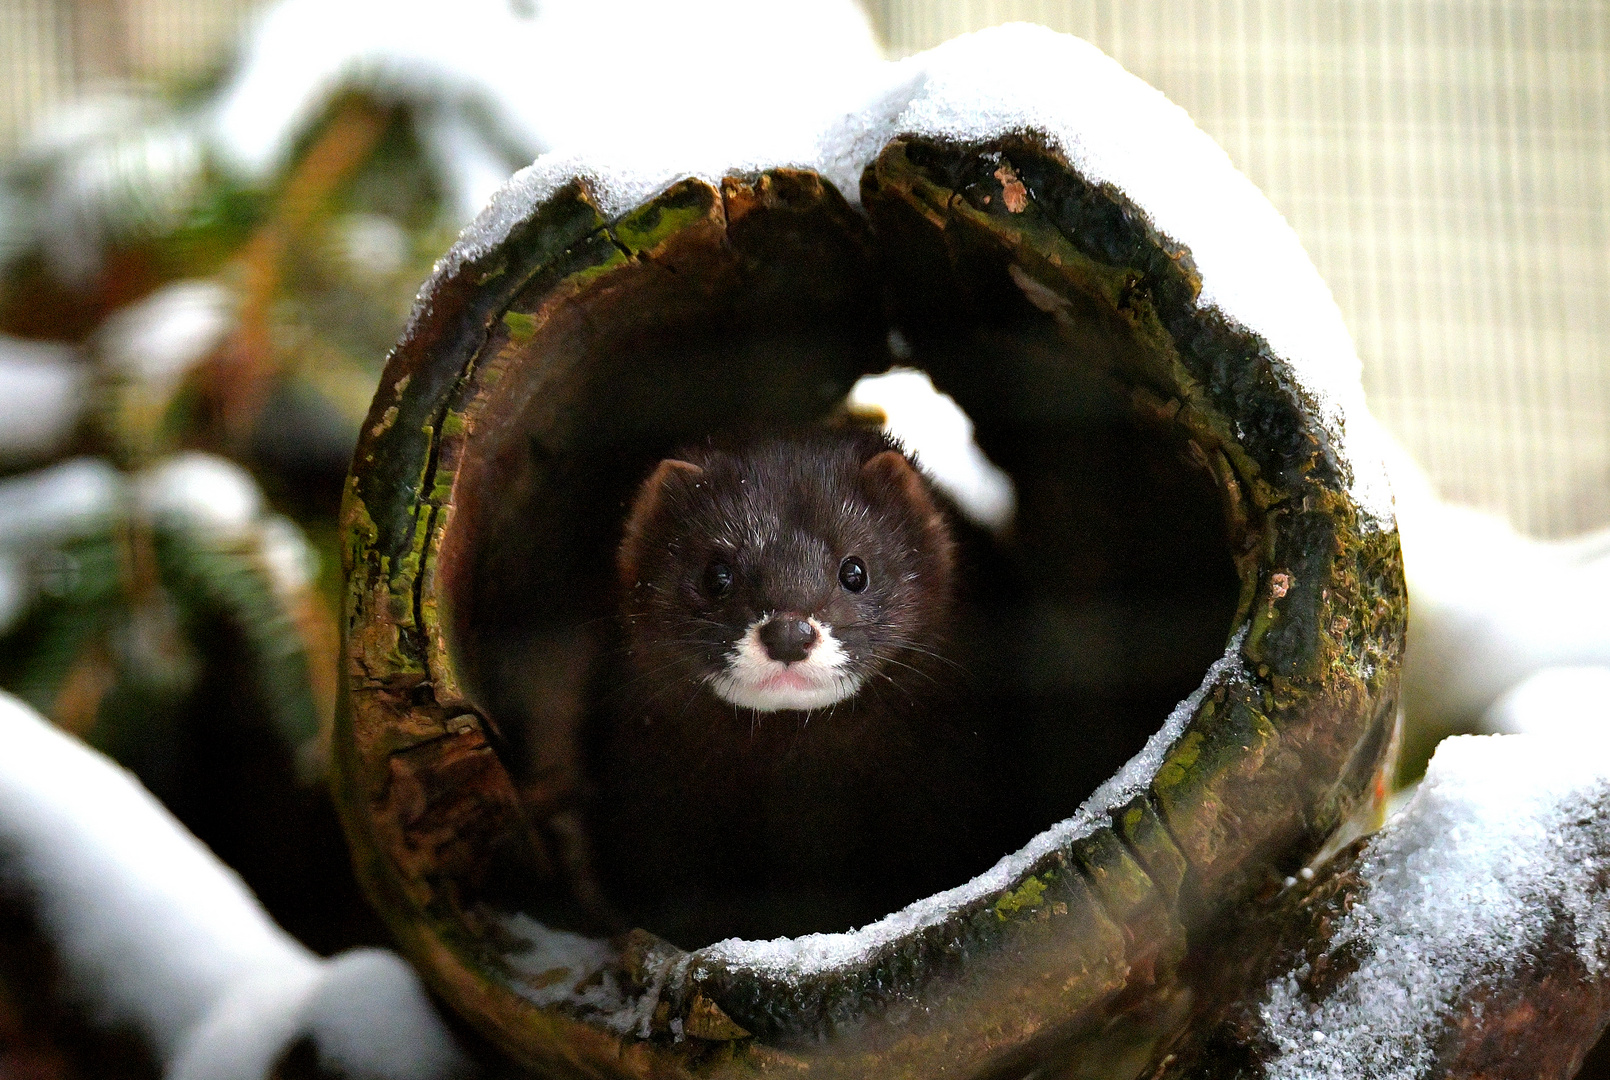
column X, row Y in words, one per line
column 753, row 680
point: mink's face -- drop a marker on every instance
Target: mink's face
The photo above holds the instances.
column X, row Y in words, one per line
column 786, row 576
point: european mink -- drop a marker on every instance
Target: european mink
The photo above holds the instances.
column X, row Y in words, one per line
column 788, row 747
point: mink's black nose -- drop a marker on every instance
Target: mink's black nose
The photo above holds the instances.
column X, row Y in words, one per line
column 788, row 638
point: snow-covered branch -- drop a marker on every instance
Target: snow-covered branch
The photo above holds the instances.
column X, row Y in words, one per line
column 154, row 933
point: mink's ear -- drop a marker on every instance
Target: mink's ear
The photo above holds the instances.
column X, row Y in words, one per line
column 670, row 468
column 893, row 471
column 891, row 468
column 645, row 507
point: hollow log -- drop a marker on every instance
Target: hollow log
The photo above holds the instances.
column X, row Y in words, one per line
column 1150, row 349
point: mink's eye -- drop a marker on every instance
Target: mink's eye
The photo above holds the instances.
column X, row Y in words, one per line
column 852, row 574
column 717, row 578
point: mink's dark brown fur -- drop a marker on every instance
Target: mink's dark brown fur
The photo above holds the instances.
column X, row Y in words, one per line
column 713, row 819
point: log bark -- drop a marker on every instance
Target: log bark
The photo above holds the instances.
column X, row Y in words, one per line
column 1531, row 1003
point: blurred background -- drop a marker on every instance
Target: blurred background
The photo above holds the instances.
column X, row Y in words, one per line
column 214, row 215
column 1447, row 166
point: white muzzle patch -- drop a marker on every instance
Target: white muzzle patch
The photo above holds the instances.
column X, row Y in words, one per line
column 753, row 680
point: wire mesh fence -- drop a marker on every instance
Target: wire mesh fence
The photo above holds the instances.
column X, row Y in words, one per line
column 1446, row 164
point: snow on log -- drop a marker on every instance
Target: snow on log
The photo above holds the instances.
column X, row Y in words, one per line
column 1467, row 938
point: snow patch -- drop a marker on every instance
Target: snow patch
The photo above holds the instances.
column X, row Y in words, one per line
column 1489, row 607
column 496, row 79
column 84, row 497
column 113, row 166
column 371, row 1020
column 149, row 925
column 376, row 245
column 42, row 395
column 1571, row 704
column 557, row 967
column 1118, row 130
column 74, row 498
column 1503, row 841
column 153, row 931
column 202, row 491
column 290, row 560
column 249, row 1027
column 365, row 1012
column 935, row 430
column 164, row 335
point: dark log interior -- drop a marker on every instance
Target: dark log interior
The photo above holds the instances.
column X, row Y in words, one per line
column 1097, row 612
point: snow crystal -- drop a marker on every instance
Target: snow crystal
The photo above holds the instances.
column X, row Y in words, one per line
column 465, row 157
column 1502, row 841
column 815, row 954
column 558, row 966
column 1139, row 770
column 622, row 176
column 42, row 395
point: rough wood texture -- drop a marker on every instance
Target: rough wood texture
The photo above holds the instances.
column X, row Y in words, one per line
column 1091, row 956
column 1536, row 1023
